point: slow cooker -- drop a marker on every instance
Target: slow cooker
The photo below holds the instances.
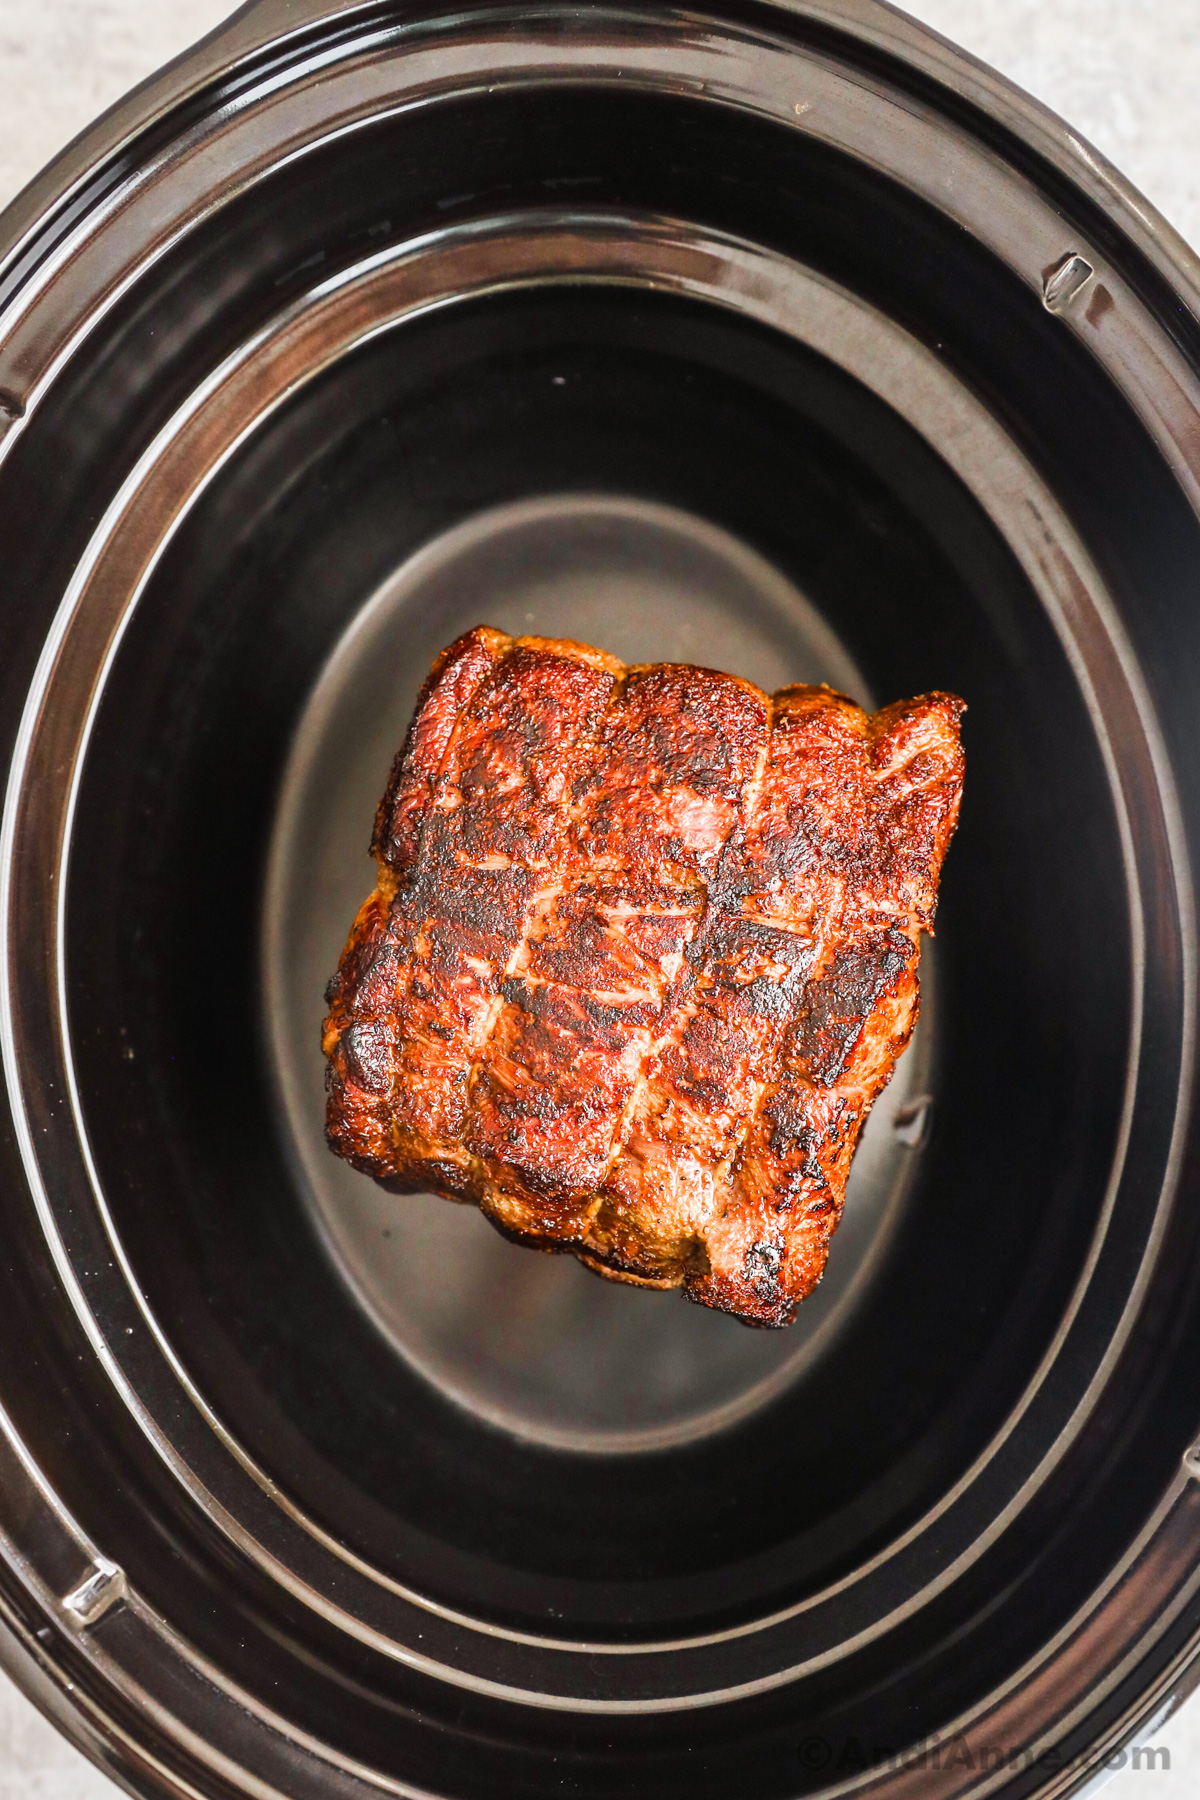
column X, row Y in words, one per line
column 776, row 335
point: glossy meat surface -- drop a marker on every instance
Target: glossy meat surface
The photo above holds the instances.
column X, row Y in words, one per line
column 642, row 953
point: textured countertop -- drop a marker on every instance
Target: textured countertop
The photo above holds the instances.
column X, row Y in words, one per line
column 1126, row 73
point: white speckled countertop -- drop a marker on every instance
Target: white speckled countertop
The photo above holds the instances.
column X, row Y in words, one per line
column 1126, row 73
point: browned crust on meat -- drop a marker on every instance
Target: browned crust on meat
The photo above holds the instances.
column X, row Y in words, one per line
column 641, row 956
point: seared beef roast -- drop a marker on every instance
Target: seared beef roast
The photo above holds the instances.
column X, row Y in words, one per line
column 642, row 953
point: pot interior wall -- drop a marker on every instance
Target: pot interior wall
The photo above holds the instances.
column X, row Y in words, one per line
column 509, row 399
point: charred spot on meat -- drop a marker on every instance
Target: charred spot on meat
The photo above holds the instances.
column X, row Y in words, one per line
column 641, row 954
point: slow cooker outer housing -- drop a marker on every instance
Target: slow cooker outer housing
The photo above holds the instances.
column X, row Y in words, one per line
column 140, row 1618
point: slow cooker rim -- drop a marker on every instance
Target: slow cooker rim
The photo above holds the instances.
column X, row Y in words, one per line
column 266, row 31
